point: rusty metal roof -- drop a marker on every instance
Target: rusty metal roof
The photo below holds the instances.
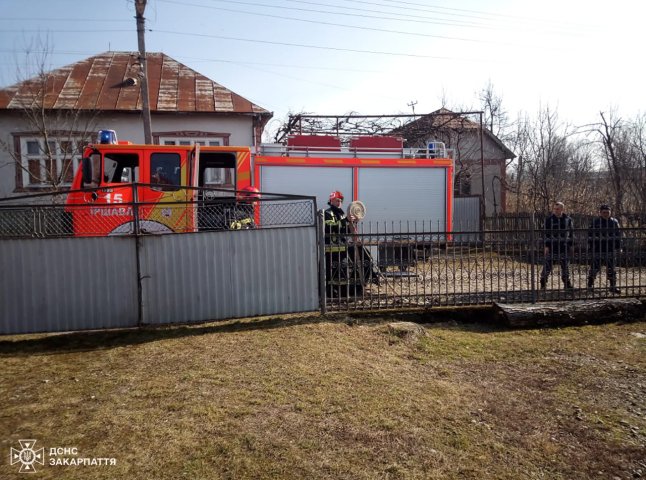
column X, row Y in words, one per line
column 110, row 82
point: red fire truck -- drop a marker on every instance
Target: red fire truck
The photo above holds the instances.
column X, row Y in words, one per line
column 164, row 182
column 172, row 185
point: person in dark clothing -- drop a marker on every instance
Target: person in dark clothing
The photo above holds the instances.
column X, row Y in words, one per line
column 337, row 228
column 559, row 233
column 241, row 215
column 216, row 213
column 604, row 241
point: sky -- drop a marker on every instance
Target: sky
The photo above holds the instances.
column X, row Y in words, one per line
column 578, row 57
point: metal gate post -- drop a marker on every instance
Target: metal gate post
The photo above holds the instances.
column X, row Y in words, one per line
column 137, row 231
column 135, row 209
column 320, row 238
column 532, row 256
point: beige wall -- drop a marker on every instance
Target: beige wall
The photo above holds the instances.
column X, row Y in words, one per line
column 465, row 146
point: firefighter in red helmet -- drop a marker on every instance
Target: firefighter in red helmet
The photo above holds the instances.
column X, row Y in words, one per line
column 249, row 193
column 243, row 215
column 337, row 228
column 335, row 216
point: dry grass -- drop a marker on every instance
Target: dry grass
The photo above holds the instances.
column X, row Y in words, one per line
column 308, row 398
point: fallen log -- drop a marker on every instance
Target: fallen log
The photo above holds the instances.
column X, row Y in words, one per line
column 571, row 312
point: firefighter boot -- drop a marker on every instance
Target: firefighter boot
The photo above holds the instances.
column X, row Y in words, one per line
column 613, row 288
column 568, row 284
column 543, row 283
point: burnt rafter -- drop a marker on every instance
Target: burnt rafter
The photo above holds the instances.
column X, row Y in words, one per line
column 414, row 128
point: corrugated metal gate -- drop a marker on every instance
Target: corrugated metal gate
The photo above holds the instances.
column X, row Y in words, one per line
column 53, row 285
column 192, row 278
column 61, row 284
column 466, row 218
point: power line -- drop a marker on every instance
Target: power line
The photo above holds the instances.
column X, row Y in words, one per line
column 416, row 18
column 407, row 5
column 76, row 30
column 319, row 47
column 412, row 18
column 207, row 60
column 68, row 19
column 365, row 13
column 281, row 65
column 318, row 22
column 356, row 27
column 381, row 11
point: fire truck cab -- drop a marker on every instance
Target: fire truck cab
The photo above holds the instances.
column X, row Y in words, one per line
column 165, row 182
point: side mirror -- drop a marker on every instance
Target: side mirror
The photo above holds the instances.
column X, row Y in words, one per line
column 87, row 170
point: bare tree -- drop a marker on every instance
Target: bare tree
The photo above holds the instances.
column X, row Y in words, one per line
column 554, row 164
column 495, row 116
column 519, row 141
column 623, row 154
column 637, row 163
column 614, row 150
column 58, row 134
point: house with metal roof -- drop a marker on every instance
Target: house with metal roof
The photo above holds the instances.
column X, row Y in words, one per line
column 480, row 156
column 46, row 120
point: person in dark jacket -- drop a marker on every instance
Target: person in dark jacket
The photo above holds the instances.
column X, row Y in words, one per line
column 558, row 235
column 604, row 241
column 337, row 228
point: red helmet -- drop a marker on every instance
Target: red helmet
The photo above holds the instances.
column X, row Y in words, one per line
column 249, row 192
column 336, row 194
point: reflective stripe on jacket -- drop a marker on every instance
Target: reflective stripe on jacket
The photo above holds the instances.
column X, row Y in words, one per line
column 336, row 229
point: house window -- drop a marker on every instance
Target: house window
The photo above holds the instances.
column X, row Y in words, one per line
column 51, row 163
column 205, row 141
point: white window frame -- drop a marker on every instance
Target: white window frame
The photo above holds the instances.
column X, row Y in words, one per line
column 212, row 176
column 204, row 141
column 58, row 154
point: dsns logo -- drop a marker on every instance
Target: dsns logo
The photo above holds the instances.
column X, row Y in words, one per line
column 27, row 456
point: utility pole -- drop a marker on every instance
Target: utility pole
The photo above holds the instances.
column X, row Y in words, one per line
column 140, row 6
column 412, row 105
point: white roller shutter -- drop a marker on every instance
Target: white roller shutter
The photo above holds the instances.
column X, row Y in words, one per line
column 400, row 195
column 317, row 181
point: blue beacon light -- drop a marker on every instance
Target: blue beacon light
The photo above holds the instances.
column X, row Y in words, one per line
column 107, row 136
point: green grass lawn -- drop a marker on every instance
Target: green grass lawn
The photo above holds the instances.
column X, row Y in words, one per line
column 309, row 397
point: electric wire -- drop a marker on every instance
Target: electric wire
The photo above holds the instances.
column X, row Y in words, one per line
column 356, row 27
column 319, row 47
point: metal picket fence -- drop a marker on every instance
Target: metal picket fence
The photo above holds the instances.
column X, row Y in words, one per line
column 418, row 265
